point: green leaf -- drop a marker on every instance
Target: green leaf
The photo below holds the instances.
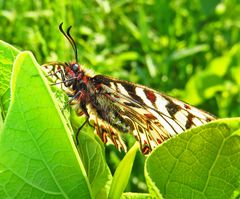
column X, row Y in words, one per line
column 180, row 54
column 136, row 196
column 38, row 156
column 203, row 85
column 122, row 173
column 130, row 26
column 7, row 55
column 201, row 163
column 220, row 65
column 95, row 165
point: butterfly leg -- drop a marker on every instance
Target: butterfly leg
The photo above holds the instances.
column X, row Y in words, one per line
column 73, row 97
column 84, row 110
column 79, row 129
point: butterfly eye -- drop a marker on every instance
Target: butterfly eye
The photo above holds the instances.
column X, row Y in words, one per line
column 75, row 67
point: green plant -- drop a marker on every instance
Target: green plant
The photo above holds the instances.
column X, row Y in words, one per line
column 40, row 160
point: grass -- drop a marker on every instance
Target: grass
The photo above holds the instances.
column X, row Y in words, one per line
column 188, row 49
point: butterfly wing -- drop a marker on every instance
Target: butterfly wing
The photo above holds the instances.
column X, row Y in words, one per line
column 152, row 116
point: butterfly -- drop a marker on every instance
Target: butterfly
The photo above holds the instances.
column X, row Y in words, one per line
column 116, row 107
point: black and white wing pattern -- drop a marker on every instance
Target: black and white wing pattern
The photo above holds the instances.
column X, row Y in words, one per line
column 152, row 117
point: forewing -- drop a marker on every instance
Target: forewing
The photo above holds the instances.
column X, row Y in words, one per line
column 153, row 116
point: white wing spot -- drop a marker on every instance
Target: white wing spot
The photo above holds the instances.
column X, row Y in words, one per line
column 140, row 93
column 122, row 90
column 174, row 125
column 181, row 118
column 161, row 104
column 196, row 121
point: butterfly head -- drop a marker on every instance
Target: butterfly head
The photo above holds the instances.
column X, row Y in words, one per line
column 71, row 70
column 67, row 73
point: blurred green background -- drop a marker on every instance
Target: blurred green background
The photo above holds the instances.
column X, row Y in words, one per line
column 187, row 49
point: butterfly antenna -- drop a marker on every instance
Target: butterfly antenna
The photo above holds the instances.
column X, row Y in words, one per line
column 70, row 39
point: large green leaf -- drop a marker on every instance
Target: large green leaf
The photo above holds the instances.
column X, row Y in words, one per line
column 122, row 174
column 7, row 55
column 201, row 163
column 95, row 165
column 38, row 156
